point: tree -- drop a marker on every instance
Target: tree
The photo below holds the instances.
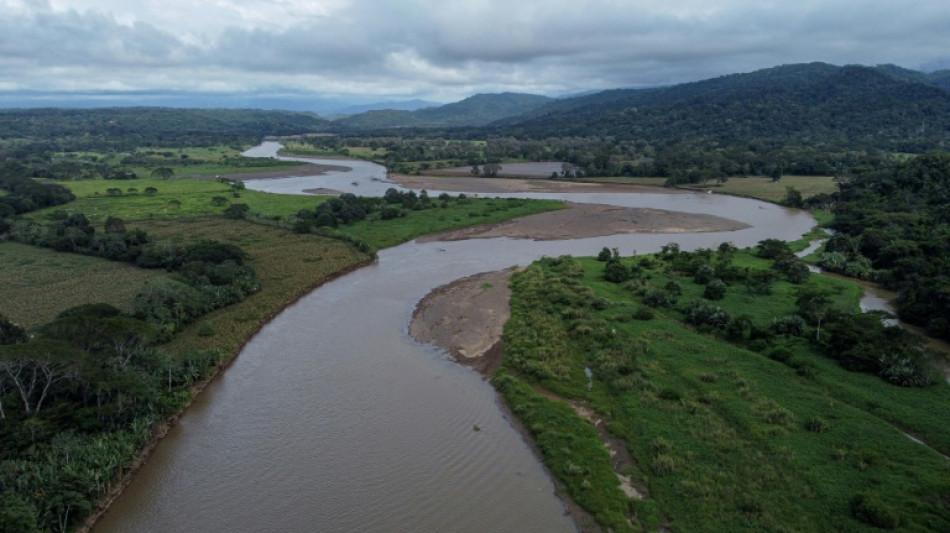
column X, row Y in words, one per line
column 32, row 368
column 476, row 170
column 163, row 173
column 114, row 225
column 16, row 514
column 715, row 290
column 814, row 305
column 793, row 197
column 491, row 169
column 11, row 333
column 775, row 174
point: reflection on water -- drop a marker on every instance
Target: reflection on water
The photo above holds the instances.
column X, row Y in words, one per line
column 333, row 419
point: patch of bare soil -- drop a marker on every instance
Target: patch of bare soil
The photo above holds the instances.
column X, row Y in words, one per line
column 305, row 170
column 488, row 186
column 466, row 318
column 592, row 220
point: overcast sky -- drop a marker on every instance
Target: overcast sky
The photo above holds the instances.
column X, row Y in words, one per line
column 444, row 50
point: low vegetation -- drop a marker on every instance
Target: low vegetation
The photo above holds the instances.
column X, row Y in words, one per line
column 735, row 411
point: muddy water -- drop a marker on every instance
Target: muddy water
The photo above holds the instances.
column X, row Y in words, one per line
column 333, row 419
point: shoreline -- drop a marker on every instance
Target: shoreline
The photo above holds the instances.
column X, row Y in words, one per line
column 592, row 220
column 161, row 429
column 471, row 184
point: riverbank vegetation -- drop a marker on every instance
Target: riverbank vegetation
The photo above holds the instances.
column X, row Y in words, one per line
column 749, row 394
column 894, row 227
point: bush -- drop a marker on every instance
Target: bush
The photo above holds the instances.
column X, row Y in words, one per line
column 715, row 290
column 616, row 272
column 700, row 313
column 643, row 313
column 789, row 325
column 237, row 211
column 817, row 425
column 673, row 287
column 869, row 508
column 704, row 274
column 658, row 298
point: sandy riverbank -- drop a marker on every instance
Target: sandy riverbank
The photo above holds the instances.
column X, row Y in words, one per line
column 579, row 221
column 489, row 186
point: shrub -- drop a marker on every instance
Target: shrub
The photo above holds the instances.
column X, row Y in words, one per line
column 664, row 465
column 616, row 272
column 704, row 274
column 715, row 290
column 643, row 313
column 869, row 508
column 780, row 354
column 673, row 287
column 817, row 425
column 789, row 325
column 658, row 298
column 237, row 211
column 700, row 313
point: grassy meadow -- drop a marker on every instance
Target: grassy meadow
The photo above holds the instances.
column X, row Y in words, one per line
column 722, row 438
column 763, row 188
column 172, row 198
column 457, row 214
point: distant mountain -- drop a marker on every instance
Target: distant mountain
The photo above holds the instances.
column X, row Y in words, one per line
column 806, row 104
column 407, row 105
column 477, row 110
column 941, row 79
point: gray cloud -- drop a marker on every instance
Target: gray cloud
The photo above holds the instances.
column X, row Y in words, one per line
column 446, row 50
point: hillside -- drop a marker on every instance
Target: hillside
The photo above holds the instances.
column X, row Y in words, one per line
column 815, row 103
column 478, row 110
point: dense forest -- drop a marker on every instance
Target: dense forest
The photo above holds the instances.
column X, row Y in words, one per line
column 897, row 219
column 25, row 132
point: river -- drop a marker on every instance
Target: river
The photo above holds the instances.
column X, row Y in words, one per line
column 333, row 419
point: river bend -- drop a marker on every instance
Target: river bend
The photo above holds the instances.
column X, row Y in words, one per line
column 333, row 419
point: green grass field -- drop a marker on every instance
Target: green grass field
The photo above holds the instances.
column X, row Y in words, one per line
column 759, row 187
column 39, row 283
column 722, row 438
column 764, row 189
column 174, row 198
column 473, row 211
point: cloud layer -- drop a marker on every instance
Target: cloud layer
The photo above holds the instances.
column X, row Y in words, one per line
column 445, row 50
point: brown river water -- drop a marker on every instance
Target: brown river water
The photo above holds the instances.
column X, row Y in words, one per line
column 333, row 419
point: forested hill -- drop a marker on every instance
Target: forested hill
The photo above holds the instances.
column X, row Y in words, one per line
column 854, row 106
column 126, row 128
column 477, row 110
